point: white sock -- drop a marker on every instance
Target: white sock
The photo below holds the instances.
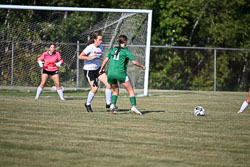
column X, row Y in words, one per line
column 243, row 106
column 112, row 106
column 38, row 92
column 60, row 93
column 90, row 98
column 108, row 94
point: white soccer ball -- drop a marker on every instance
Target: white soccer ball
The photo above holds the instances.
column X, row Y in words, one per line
column 199, row 111
column 53, row 89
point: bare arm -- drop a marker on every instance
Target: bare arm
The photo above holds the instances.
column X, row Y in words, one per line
column 103, row 64
column 138, row 64
column 83, row 56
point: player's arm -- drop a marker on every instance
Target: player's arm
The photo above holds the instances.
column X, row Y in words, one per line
column 40, row 60
column 83, row 56
column 105, row 61
column 103, row 64
column 138, row 64
column 59, row 60
column 132, row 59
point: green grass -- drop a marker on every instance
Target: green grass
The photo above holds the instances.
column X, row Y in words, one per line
column 49, row 132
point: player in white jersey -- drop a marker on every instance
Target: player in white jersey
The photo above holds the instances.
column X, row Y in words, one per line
column 91, row 56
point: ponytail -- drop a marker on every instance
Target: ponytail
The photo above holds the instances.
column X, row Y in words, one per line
column 94, row 36
column 122, row 39
column 90, row 41
column 118, row 50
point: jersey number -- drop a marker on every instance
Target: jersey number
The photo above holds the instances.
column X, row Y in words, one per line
column 116, row 57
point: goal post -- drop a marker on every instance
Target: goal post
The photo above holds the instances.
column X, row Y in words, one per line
column 130, row 22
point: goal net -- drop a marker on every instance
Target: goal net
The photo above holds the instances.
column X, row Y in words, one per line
column 27, row 31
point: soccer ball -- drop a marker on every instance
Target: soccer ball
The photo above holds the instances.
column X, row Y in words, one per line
column 199, row 111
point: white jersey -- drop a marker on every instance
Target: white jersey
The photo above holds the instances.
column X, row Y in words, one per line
column 95, row 63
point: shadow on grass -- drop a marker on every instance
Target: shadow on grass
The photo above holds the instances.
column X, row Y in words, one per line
column 126, row 111
column 158, row 111
column 75, row 98
column 123, row 111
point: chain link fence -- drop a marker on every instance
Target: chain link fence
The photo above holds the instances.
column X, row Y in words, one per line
column 179, row 68
column 19, row 67
column 27, row 32
column 199, row 68
column 19, row 64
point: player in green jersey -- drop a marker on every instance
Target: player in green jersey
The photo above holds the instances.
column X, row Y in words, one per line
column 119, row 58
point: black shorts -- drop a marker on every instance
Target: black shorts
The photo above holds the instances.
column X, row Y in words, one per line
column 92, row 75
column 50, row 72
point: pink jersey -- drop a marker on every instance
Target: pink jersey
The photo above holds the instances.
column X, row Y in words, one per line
column 50, row 60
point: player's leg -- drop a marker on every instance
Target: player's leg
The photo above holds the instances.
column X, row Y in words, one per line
column 127, row 85
column 115, row 93
column 92, row 92
column 113, row 107
column 91, row 95
column 245, row 103
column 91, row 76
column 55, row 78
column 44, row 78
column 114, row 85
column 108, row 92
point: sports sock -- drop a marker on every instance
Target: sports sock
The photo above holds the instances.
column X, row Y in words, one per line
column 243, row 106
column 108, row 94
column 90, row 97
column 113, row 99
column 38, row 92
column 133, row 101
column 60, row 93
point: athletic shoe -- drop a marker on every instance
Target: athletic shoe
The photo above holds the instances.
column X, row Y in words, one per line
column 113, row 109
column 88, row 108
column 240, row 112
column 135, row 110
column 108, row 107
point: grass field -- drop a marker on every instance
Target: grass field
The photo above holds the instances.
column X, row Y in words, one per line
column 49, row 132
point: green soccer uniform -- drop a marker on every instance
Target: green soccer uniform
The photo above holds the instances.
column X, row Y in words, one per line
column 118, row 65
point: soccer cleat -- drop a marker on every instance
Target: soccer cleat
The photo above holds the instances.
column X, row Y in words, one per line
column 135, row 110
column 88, row 108
column 113, row 109
column 108, row 107
column 240, row 112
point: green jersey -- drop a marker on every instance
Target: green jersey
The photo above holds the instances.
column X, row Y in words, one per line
column 118, row 63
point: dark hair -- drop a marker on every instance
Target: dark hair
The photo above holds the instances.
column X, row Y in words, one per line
column 122, row 39
column 54, row 47
column 94, row 36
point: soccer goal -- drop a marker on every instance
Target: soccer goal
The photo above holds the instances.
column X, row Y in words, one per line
column 27, row 31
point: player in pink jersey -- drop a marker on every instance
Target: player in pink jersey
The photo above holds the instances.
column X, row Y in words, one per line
column 49, row 62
